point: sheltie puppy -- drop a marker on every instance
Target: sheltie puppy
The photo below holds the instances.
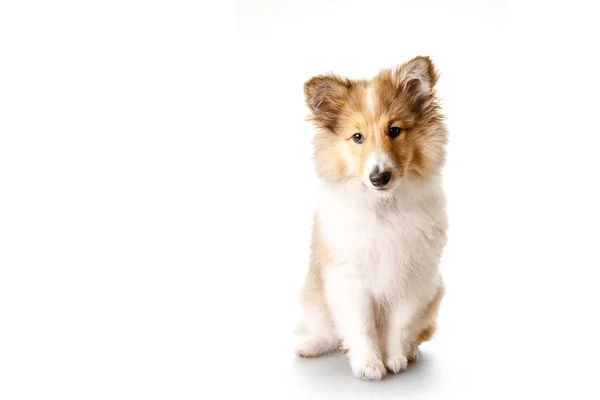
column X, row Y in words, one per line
column 373, row 286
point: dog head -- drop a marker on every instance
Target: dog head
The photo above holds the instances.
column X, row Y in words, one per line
column 378, row 134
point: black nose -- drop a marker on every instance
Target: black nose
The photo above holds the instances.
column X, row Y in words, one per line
column 380, row 179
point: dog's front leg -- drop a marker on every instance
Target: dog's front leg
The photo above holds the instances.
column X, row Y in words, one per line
column 351, row 306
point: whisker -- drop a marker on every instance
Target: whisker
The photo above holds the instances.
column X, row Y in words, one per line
column 346, row 181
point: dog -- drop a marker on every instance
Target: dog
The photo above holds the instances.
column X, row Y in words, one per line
column 373, row 287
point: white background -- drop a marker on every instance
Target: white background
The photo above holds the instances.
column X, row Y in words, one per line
column 156, row 193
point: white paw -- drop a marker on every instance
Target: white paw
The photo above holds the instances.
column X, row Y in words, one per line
column 370, row 371
column 313, row 347
column 396, row 364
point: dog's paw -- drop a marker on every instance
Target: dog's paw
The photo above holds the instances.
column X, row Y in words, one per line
column 414, row 356
column 314, row 347
column 373, row 370
column 396, row 363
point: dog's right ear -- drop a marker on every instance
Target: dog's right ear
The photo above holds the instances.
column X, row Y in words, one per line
column 326, row 95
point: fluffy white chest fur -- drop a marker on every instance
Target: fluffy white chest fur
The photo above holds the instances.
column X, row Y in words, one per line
column 392, row 244
column 374, row 285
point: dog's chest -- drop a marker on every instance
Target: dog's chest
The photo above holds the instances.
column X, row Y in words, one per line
column 389, row 246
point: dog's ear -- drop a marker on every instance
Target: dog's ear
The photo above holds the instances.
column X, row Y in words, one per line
column 326, row 96
column 417, row 79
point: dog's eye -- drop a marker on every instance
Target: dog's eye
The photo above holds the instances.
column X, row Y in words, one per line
column 358, row 138
column 394, row 132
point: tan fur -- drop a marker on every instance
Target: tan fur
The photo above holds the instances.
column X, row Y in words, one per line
column 429, row 315
column 427, row 320
column 319, row 259
column 339, row 110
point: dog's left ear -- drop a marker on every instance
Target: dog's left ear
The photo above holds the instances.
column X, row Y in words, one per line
column 417, row 78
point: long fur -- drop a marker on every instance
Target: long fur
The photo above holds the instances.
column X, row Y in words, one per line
column 373, row 286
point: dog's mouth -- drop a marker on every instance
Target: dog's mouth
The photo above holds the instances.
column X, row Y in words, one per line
column 380, row 190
